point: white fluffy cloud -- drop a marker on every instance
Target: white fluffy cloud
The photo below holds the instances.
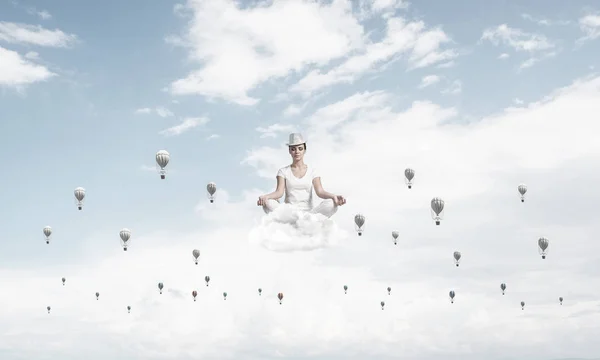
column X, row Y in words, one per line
column 35, row 35
column 16, row 71
column 590, row 26
column 429, row 80
column 159, row 110
column 286, row 38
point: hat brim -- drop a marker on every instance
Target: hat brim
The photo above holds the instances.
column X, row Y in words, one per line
column 295, row 144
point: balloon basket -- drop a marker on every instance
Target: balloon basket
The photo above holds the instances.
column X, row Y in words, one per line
column 212, row 201
column 409, row 186
column 162, row 177
column 543, row 256
column 79, row 207
column 47, row 242
column 522, row 200
column 437, row 222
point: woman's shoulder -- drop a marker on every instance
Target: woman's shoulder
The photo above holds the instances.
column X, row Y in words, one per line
column 283, row 171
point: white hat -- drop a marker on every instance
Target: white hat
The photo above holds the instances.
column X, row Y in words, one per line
column 295, row 139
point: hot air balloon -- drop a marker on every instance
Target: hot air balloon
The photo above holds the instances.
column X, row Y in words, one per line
column 452, row 295
column 196, row 255
column 409, row 174
column 543, row 246
column 48, row 308
column 63, row 281
column 359, row 222
column 382, row 304
column 47, row 233
column 211, row 189
column 503, row 287
column 79, row 196
column 395, row 235
column 194, row 294
column 125, row 235
column 280, row 297
column 437, row 210
column 97, row 295
column 128, row 309
column 259, row 291
column 560, row 299
column 207, row 279
column 345, row 289
column 389, row 289
column 160, row 287
column 162, row 159
column 457, row 256
column 224, row 296
column 522, row 188
column 522, row 305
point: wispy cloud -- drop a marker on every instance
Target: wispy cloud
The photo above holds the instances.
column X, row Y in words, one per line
column 160, row 111
column 275, row 129
column 186, row 125
column 16, row 71
column 428, row 81
column 590, row 26
column 455, row 88
column 213, row 137
column 544, row 21
column 35, row 35
column 503, row 56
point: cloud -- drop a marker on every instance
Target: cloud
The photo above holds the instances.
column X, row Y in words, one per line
column 275, row 129
column 362, row 145
column 32, row 55
column 186, row 125
column 590, row 26
column 503, row 56
column 15, row 71
column 274, row 41
column 16, row 33
column 159, row 110
column 293, row 109
column 544, row 21
column 213, row 136
column 429, row 80
column 455, row 88
column 518, row 101
column 521, row 42
column 286, row 229
column 45, row 15
column 423, row 48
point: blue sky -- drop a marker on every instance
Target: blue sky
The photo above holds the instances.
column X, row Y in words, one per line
column 86, row 125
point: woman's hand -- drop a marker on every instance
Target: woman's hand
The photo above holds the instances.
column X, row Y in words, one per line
column 262, row 200
column 339, row 200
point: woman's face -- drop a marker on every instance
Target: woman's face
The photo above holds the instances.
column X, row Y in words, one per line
column 297, row 151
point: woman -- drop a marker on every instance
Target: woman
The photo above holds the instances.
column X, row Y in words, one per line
column 297, row 182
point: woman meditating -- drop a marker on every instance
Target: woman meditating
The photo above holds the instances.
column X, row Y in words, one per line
column 297, row 181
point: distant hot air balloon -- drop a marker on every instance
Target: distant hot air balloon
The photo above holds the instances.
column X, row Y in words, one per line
column 382, row 304
column 452, row 295
column 560, row 299
column 79, row 196
column 97, row 295
column 211, row 188
column 194, row 294
column 543, row 246
column 345, row 289
column 48, row 308
column 224, row 296
column 47, row 233
column 63, row 281
column 128, row 309
column 162, row 159
column 280, row 297
column 522, row 305
column 522, row 188
column 125, row 235
column 160, row 287
column 409, row 174
column 259, row 291
column 359, row 222
column 389, row 290
column 437, row 210
column 457, row 257
column 395, row 235
column 207, row 279
column 196, row 255
column 503, row 287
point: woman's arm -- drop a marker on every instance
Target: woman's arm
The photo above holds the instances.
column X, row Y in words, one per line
column 279, row 191
column 320, row 191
